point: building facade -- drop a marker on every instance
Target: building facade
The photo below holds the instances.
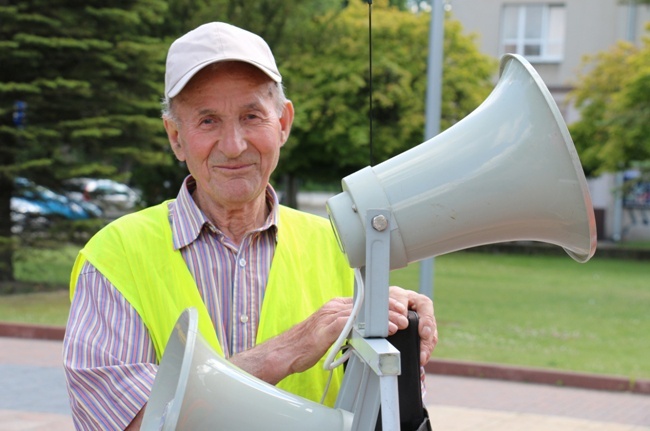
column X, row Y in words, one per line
column 554, row 36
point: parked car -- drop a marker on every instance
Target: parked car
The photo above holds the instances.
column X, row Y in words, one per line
column 34, row 206
column 114, row 198
column 27, row 215
column 52, row 203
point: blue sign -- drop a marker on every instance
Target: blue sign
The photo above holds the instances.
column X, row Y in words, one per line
column 20, row 114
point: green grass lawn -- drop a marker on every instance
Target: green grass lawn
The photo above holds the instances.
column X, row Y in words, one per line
column 42, row 308
column 540, row 311
column 44, row 272
column 45, row 266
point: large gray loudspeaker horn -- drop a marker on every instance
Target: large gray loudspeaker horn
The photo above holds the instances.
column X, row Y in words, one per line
column 507, row 172
column 196, row 389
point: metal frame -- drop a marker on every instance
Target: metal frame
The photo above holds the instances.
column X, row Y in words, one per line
column 371, row 375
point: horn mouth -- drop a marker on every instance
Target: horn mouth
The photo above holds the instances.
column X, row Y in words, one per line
column 507, row 172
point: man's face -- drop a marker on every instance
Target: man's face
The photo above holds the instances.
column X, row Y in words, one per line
column 229, row 133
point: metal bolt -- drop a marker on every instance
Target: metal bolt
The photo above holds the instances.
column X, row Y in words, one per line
column 379, row 223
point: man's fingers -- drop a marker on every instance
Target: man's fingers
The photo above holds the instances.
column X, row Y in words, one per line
column 423, row 306
column 428, row 337
column 397, row 320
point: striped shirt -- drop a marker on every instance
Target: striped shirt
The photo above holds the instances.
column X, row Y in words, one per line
column 109, row 357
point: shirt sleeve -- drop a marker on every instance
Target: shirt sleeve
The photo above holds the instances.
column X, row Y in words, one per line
column 109, row 358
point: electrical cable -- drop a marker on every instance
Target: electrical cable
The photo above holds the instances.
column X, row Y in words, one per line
column 372, row 156
column 330, row 364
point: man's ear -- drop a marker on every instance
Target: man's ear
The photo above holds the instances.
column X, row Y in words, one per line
column 172, row 134
column 286, row 121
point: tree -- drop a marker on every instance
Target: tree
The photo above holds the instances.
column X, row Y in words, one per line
column 91, row 79
column 267, row 18
column 612, row 94
column 327, row 76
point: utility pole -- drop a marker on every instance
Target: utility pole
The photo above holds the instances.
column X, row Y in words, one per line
column 619, row 178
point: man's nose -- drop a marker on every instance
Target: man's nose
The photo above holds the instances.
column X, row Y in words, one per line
column 232, row 142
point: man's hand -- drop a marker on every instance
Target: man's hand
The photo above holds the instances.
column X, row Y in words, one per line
column 300, row 348
column 400, row 302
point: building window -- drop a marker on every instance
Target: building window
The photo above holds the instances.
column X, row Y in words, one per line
column 535, row 31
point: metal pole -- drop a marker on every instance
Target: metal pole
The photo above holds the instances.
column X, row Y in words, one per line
column 631, row 21
column 433, row 110
column 618, row 207
column 619, row 178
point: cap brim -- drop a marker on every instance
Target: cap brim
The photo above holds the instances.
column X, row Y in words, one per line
column 178, row 87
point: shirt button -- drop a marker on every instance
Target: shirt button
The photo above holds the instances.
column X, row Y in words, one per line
column 243, row 318
column 242, row 262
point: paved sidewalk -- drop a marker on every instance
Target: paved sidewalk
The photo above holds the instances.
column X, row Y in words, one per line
column 33, row 398
column 33, row 395
column 462, row 403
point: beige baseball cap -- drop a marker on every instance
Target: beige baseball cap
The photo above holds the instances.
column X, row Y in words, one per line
column 211, row 43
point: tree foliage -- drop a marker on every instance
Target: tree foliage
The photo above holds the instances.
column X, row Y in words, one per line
column 612, row 95
column 270, row 19
column 90, row 75
column 91, row 78
column 327, row 76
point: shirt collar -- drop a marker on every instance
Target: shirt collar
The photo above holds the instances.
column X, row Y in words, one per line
column 187, row 220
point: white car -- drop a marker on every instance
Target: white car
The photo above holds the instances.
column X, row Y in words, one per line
column 114, row 198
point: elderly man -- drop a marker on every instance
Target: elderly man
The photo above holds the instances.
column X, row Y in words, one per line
column 270, row 284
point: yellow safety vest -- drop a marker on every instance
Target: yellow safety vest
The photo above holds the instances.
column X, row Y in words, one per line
column 135, row 253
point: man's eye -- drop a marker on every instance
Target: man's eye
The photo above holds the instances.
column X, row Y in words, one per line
column 207, row 121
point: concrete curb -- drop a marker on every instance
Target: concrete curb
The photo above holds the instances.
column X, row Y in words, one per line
column 38, row 332
column 434, row 366
column 538, row 375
